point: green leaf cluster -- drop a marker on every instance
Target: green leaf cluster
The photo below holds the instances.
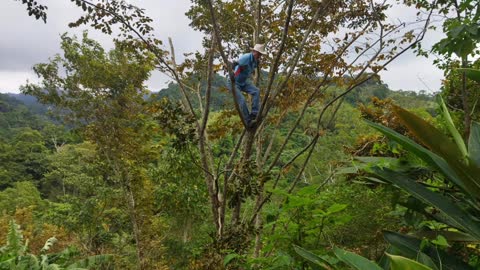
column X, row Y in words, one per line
column 452, row 200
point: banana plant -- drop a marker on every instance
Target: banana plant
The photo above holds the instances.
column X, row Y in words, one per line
column 457, row 171
column 457, row 166
column 358, row 262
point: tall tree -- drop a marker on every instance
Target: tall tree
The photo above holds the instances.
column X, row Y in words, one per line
column 23, row 157
column 316, row 45
column 103, row 93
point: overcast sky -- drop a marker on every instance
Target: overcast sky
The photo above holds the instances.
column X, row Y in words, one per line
column 25, row 42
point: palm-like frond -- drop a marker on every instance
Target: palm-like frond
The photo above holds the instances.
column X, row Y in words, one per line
column 15, row 244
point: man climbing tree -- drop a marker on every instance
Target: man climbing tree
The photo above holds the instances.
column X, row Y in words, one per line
column 324, row 50
column 247, row 63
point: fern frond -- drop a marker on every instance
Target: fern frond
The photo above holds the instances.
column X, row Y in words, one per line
column 15, row 239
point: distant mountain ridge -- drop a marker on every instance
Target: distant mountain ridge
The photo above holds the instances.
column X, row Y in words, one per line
column 20, row 111
column 31, row 102
column 221, row 97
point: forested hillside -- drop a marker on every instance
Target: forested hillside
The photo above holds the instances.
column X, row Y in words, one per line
column 330, row 170
column 51, row 185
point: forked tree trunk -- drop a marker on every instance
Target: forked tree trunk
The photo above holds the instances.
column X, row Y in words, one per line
column 246, row 158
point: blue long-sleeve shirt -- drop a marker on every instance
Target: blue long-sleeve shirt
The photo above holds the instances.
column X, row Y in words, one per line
column 246, row 66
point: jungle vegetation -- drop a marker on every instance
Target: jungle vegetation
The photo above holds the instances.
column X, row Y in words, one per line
column 339, row 172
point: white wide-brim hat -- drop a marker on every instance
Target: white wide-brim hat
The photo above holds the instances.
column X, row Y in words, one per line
column 259, row 48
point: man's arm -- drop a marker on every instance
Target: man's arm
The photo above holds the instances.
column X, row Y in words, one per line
column 242, row 64
column 239, row 70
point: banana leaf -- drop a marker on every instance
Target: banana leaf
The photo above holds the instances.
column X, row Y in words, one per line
column 402, row 263
column 455, row 215
column 451, row 127
column 432, row 159
column 409, row 247
column 451, row 236
column 474, row 143
column 429, row 135
column 309, row 256
column 355, row 261
column 440, row 144
column 427, row 261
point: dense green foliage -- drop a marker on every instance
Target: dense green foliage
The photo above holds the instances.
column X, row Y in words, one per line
column 72, row 193
column 14, row 256
column 127, row 179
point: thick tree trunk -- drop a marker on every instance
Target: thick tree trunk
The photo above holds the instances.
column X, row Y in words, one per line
column 210, row 182
column 205, row 155
column 258, row 225
column 141, row 262
column 186, row 230
column 247, row 153
column 139, row 213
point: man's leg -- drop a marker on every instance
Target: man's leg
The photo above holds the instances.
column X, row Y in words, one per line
column 255, row 93
column 241, row 102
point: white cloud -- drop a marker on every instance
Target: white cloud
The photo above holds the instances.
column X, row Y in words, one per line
column 414, row 73
column 26, row 41
column 11, row 80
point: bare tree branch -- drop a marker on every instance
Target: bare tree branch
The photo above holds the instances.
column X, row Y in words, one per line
column 225, row 60
column 276, row 62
